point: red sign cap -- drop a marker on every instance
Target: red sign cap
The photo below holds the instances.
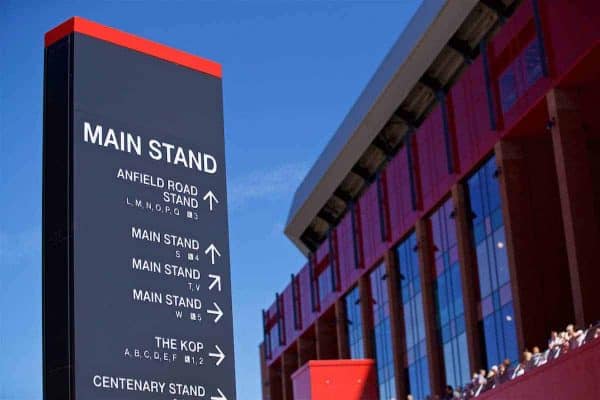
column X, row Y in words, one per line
column 133, row 42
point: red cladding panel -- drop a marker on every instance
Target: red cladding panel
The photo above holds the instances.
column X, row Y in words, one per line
column 272, row 312
column 510, row 41
column 358, row 234
column 523, row 16
column 322, row 252
column 307, row 314
column 345, row 250
column 373, row 246
column 402, row 216
column 571, row 27
column 328, row 301
column 288, row 314
column 433, row 162
column 336, row 379
column 589, row 100
column 424, row 147
column 474, row 137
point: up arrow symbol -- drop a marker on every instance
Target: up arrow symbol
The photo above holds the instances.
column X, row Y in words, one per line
column 210, row 196
column 217, row 311
column 220, row 356
column 216, row 281
column 212, row 250
column 221, row 396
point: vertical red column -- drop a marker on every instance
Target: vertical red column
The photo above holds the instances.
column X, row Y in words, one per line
column 366, row 309
column 426, row 271
column 396, row 321
column 264, row 373
column 468, row 274
column 534, row 237
column 326, row 334
column 275, row 382
column 289, row 364
column 307, row 346
column 580, row 217
column 342, row 333
column 509, row 160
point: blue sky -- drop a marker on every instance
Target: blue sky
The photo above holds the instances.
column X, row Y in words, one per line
column 292, row 69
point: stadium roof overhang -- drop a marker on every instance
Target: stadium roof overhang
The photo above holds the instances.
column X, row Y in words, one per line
column 441, row 39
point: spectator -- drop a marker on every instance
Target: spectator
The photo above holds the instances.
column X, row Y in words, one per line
column 482, row 380
column 522, row 366
column 528, row 360
column 554, row 340
column 562, row 338
column 518, row 371
column 469, row 390
column 457, row 392
column 448, row 393
column 562, row 345
column 491, row 378
column 575, row 337
column 481, row 383
column 508, row 367
column 565, row 345
column 538, row 357
column 555, row 345
column 479, row 389
column 502, row 375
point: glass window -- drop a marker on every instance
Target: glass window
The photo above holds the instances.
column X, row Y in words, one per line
column 354, row 324
column 523, row 73
column 384, row 356
column 501, row 256
column 414, row 320
column 508, row 88
column 449, row 298
column 533, row 63
column 508, row 327
column 274, row 337
column 492, row 265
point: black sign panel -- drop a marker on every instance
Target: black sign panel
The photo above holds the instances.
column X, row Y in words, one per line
column 137, row 295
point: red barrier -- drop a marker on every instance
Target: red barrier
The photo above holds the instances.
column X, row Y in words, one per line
column 336, row 379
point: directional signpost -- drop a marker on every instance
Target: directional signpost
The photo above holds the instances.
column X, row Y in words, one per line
column 137, row 293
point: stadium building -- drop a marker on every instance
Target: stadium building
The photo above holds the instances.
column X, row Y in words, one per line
column 453, row 220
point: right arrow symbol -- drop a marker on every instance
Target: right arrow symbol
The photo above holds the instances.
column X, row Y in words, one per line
column 210, row 196
column 221, row 396
column 219, row 355
column 217, row 311
column 212, row 249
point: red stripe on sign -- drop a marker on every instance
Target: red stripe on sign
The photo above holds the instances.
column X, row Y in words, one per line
column 133, row 42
